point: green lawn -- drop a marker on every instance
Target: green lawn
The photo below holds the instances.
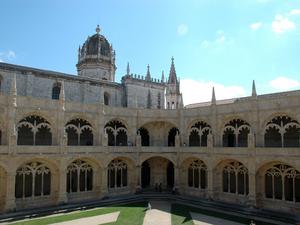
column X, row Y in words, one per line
column 130, row 214
column 181, row 215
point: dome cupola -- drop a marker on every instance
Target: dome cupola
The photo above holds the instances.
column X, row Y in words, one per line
column 96, row 58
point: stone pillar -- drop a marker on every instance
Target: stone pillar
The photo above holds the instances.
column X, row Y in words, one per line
column 139, row 178
column 62, row 189
column 177, row 140
column 210, row 140
column 104, row 184
column 251, row 140
column 210, row 191
column 10, row 201
column 104, row 139
column 252, row 190
column 176, row 178
column 138, row 140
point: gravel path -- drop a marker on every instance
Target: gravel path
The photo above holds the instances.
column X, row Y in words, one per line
column 93, row 220
column 160, row 213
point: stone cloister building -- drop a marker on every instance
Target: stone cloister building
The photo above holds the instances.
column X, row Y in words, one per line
column 67, row 138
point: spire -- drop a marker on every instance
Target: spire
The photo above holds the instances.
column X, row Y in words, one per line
column 128, row 69
column 172, row 75
column 98, row 29
column 148, row 76
column 162, row 76
column 213, row 98
column 253, row 89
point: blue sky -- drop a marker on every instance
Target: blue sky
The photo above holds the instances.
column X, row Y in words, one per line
column 221, row 43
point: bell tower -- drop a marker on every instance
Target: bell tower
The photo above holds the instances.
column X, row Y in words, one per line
column 173, row 95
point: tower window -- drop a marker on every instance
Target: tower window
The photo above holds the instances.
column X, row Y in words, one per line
column 106, row 98
column 56, row 90
column 158, row 100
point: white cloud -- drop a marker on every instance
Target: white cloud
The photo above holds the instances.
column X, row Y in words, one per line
column 284, row 83
column 204, row 44
column 182, row 29
column 7, row 55
column 220, row 36
column 195, row 91
column 294, row 12
column 282, row 24
column 255, row 26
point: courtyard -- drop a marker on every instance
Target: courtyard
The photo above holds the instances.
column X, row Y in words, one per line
column 153, row 212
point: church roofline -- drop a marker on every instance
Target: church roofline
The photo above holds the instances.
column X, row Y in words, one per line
column 54, row 74
column 243, row 99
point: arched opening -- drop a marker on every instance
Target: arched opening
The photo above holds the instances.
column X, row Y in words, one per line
column 235, row 178
column 197, row 174
column 34, row 130
column 171, row 137
column 145, row 175
column 235, row 133
column 117, row 133
column 282, row 131
column 79, row 176
column 117, row 174
column 145, row 138
column 56, row 90
column 106, row 98
column 198, row 134
column 282, row 182
column 32, row 179
column 157, row 173
column 79, row 132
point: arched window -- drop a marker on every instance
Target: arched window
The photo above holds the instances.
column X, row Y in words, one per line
column 117, row 174
column 145, row 138
column 80, row 132
column 197, row 174
column 235, row 178
column 171, row 137
column 198, row 134
column 235, row 133
column 33, row 179
column 282, row 182
column 79, row 177
column 116, row 132
column 56, row 90
column 34, row 130
column 106, row 98
column 282, row 131
column 149, row 101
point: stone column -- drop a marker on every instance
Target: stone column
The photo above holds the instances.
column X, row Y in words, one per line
column 104, row 187
column 10, row 201
column 139, row 178
column 62, row 189
column 210, row 192
column 252, row 190
column 176, row 178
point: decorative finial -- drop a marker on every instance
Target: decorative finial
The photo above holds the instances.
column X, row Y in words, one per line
column 128, row 68
column 172, row 59
column 213, row 98
column 148, row 76
column 98, row 29
column 162, row 76
column 254, row 94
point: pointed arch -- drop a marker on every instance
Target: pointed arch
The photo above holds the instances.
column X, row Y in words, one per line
column 235, row 133
column 198, row 133
column 117, row 133
column 80, row 132
column 34, row 130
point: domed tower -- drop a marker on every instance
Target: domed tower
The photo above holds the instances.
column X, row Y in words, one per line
column 96, row 58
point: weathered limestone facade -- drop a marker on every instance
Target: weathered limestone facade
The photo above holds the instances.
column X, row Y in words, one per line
column 71, row 138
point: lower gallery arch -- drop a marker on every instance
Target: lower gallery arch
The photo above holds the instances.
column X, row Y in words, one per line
column 157, row 173
column 36, row 182
column 121, row 175
column 232, row 181
column 278, row 182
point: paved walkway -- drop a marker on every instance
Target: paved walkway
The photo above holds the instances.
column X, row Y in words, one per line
column 200, row 219
column 160, row 213
column 93, row 220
